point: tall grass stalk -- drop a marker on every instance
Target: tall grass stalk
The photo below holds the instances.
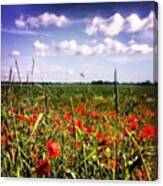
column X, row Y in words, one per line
column 75, row 134
column 115, row 124
column 18, row 71
column 32, row 73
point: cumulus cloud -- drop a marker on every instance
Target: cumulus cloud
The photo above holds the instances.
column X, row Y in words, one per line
column 117, row 24
column 115, row 46
column 14, row 53
column 20, row 23
column 108, row 45
column 46, row 19
column 40, row 48
column 111, row 26
column 72, row 47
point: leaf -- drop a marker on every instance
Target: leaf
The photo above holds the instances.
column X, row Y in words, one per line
column 89, row 156
column 37, row 122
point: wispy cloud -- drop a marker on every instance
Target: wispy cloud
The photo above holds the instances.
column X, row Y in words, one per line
column 19, row 32
column 25, row 32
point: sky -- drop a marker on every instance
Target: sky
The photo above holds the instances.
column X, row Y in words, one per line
column 79, row 42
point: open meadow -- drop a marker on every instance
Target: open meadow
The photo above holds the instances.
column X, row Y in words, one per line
column 77, row 131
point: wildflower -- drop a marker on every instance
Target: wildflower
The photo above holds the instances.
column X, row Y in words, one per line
column 95, row 115
column 133, row 125
column 81, row 109
column 138, row 173
column 68, row 116
column 3, row 139
column 90, row 129
column 79, row 124
column 132, row 117
column 70, row 129
column 100, row 137
column 112, row 164
column 53, row 149
column 43, row 167
column 34, row 118
column 133, row 122
column 149, row 131
column 20, row 117
column 113, row 114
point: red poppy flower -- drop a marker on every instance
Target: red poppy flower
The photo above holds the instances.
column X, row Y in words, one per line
column 3, row 139
column 112, row 114
column 79, row 124
column 43, row 167
column 100, row 137
column 68, row 116
column 81, row 109
column 34, row 118
column 95, row 115
column 70, row 129
column 20, row 117
column 133, row 125
column 138, row 173
column 132, row 117
column 112, row 164
column 90, row 129
column 149, row 131
column 53, row 149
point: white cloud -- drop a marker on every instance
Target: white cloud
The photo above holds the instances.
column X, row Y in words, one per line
column 70, row 72
column 117, row 24
column 19, row 32
column 69, row 47
column 46, row 19
column 139, row 48
column 115, row 46
column 150, row 21
column 20, row 23
column 113, row 26
column 110, row 27
column 40, row 48
column 94, row 25
column 72, row 47
column 14, row 53
column 133, row 23
column 108, row 45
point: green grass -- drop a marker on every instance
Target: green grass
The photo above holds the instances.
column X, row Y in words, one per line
column 92, row 158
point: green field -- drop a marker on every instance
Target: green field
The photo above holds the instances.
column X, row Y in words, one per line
column 76, row 131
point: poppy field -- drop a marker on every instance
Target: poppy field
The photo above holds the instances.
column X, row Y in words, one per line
column 79, row 131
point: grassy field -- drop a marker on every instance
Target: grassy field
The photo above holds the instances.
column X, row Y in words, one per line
column 76, row 131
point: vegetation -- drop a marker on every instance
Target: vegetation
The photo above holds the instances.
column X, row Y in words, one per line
column 79, row 131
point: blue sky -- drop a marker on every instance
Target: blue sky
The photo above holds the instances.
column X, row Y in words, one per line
column 68, row 40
